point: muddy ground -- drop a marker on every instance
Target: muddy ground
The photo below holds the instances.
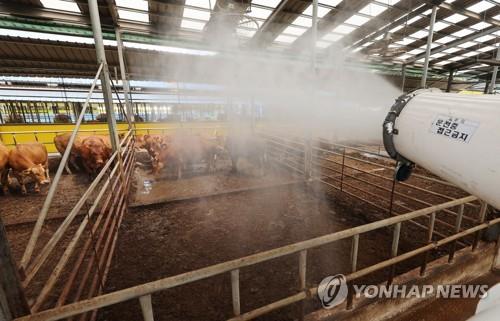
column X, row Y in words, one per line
column 164, row 240
column 19, row 214
column 151, row 189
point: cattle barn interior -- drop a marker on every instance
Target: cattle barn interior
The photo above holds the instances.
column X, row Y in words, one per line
column 249, row 160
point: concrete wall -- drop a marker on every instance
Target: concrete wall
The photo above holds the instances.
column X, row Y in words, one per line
column 466, row 267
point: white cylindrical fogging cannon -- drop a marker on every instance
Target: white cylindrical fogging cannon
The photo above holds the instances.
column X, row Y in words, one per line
column 455, row 136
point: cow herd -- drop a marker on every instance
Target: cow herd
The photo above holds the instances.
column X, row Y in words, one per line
column 179, row 152
column 28, row 162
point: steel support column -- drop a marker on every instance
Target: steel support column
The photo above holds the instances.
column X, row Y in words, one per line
column 105, row 79
column 450, row 81
column 314, row 35
column 486, row 87
column 428, row 50
column 403, row 77
column 494, row 74
column 308, row 141
column 123, row 73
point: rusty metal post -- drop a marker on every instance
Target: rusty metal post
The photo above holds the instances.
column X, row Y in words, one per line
column 393, row 189
column 481, row 218
column 235, row 291
column 308, row 157
column 342, row 171
column 458, row 224
column 302, row 279
column 394, row 250
column 146, row 307
column 430, row 232
column 354, row 267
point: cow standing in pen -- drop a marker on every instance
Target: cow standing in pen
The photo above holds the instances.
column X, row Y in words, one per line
column 94, row 151
column 183, row 151
column 30, row 160
column 90, row 152
column 249, row 147
column 4, row 167
column 61, row 143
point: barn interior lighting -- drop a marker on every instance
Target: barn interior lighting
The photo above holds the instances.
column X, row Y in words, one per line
column 322, row 11
column 285, row 39
column 192, row 25
column 61, row 5
column 331, row 3
column 455, row 18
column 357, row 20
column 303, row 22
column 296, row 31
column 480, row 6
column 139, row 10
column 205, row 4
column 372, row 9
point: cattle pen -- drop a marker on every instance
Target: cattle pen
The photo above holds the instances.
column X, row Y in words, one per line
column 353, row 201
column 270, row 160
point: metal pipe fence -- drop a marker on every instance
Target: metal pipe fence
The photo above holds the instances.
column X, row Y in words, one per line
column 57, row 256
column 46, row 137
column 108, row 196
column 144, row 292
column 291, row 154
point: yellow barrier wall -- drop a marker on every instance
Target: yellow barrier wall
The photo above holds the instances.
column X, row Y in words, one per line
column 45, row 133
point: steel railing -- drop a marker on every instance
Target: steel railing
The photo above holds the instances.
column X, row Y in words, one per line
column 12, row 138
column 144, row 292
column 104, row 202
column 89, row 272
column 291, row 154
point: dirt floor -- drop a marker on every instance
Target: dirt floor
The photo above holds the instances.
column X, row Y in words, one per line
column 151, row 189
column 238, row 214
column 16, row 208
column 164, row 240
column 20, row 212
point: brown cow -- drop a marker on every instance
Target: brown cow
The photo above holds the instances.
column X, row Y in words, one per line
column 4, row 167
column 95, row 151
column 245, row 145
column 166, row 155
column 93, row 142
column 61, row 143
column 30, row 160
column 184, row 150
column 153, row 144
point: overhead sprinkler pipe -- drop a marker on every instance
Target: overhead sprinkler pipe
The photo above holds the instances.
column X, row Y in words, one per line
column 452, row 135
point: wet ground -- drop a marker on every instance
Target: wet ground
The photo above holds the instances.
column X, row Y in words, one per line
column 16, row 208
column 238, row 214
column 19, row 214
column 164, row 240
column 151, row 189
